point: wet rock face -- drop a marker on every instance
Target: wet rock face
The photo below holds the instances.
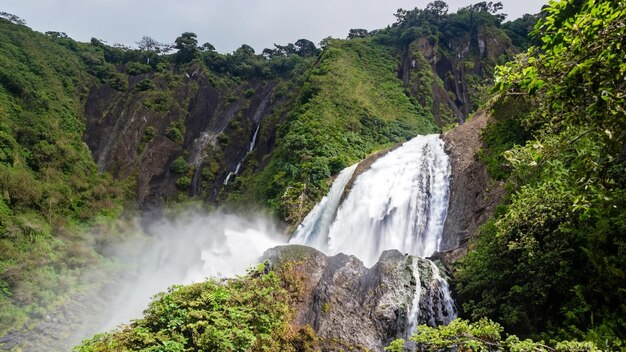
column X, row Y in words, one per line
column 473, row 194
column 139, row 134
column 464, row 68
column 351, row 306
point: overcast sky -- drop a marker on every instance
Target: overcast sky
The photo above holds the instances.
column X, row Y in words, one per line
column 227, row 24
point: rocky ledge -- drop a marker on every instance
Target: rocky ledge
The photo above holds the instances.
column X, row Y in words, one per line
column 352, row 307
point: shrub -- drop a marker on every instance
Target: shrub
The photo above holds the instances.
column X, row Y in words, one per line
column 179, row 166
column 145, row 84
column 174, row 134
column 117, row 81
column 248, row 313
column 183, row 183
column 136, row 68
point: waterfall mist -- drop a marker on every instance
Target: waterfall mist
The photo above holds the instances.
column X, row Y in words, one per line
column 189, row 249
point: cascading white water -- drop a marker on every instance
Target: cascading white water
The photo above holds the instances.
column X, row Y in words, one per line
column 313, row 231
column 400, row 202
column 445, row 311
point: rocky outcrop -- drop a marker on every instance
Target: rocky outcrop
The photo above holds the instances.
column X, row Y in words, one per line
column 473, row 194
column 450, row 81
column 351, row 307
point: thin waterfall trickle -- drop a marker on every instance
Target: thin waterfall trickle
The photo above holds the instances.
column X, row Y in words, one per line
column 253, row 142
column 414, row 312
column 240, row 163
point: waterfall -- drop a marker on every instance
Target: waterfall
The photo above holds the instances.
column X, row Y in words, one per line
column 414, row 312
column 240, row 163
column 256, row 119
column 440, row 302
column 400, row 202
column 253, row 142
column 313, row 231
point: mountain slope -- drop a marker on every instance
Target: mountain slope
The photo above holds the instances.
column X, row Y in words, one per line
column 49, row 183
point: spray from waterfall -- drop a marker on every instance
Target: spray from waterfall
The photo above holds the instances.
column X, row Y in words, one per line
column 190, row 249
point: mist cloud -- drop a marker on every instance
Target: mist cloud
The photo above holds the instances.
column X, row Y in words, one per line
column 189, row 249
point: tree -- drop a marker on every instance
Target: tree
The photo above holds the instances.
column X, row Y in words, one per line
column 305, row 47
column 150, row 46
column 270, row 53
column 438, row 8
column 12, row 18
column 187, row 45
column 357, row 33
column 285, row 50
column 98, row 43
column 488, row 7
column 207, row 47
column 62, row 35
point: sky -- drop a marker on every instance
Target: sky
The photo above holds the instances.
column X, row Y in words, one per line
column 227, row 24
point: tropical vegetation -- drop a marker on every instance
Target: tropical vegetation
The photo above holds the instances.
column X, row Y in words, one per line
column 551, row 263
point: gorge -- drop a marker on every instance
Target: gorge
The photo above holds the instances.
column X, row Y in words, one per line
column 281, row 201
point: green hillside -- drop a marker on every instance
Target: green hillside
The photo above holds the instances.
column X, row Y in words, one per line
column 351, row 104
column 50, row 187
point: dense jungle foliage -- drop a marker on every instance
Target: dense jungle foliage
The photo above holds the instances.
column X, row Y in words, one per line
column 50, row 186
column 552, row 262
column 483, row 335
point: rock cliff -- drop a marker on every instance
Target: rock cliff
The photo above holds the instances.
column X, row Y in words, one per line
column 473, row 194
column 142, row 133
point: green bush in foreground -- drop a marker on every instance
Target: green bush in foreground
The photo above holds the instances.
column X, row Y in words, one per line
column 484, row 335
column 248, row 313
